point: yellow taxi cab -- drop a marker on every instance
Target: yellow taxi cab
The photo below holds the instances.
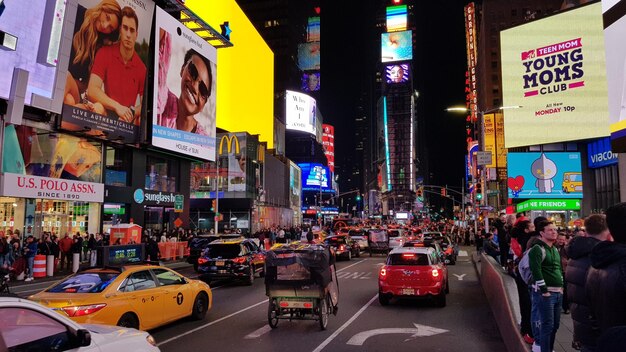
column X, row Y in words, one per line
column 135, row 296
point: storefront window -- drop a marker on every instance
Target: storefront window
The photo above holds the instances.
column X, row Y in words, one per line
column 117, row 170
column 60, row 217
column 162, row 174
column 8, row 209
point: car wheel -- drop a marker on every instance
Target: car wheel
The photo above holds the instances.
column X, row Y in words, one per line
column 200, row 306
column 250, row 279
column 447, row 286
column 441, row 299
column 195, row 267
column 383, row 299
column 128, row 320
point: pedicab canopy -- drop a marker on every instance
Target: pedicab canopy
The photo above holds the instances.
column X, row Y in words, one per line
column 298, row 262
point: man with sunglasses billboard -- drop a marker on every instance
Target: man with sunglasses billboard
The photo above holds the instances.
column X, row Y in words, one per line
column 195, row 89
column 118, row 75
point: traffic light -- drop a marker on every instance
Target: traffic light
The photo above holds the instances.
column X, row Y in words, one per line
column 213, row 205
column 443, row 191
column 420, row 192
column 358, row 197
column 479, row 191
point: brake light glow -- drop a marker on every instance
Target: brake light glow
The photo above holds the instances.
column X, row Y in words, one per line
column 284, row 304
column 342, row 248
column 308, row 305
column 383, row 272
column 202, row 261
column 79, row 311
column 239, row 260
column 435, row 273
column 408, row 255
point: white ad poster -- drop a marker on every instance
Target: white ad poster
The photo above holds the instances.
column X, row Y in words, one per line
column 301, row 114
column 26, row 186
column 185, row 90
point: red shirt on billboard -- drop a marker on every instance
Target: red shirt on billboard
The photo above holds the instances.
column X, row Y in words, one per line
column 121, row 72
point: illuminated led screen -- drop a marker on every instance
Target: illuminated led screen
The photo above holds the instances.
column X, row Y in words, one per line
column 397, row 73
column 309, row 56
column 396, row 46
column 311, row 82
column 396, row 18
column 554, row 68
column 313, row 29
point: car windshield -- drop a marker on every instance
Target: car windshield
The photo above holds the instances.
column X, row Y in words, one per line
column 84, row 283
column 408, row 259
column 356, row 233
column 394, row 233
column 226, row 251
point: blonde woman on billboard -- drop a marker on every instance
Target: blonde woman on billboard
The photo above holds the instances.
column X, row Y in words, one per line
column 99, row 27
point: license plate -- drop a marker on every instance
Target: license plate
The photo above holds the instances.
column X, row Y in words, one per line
column 219, row 263
column 408, row 291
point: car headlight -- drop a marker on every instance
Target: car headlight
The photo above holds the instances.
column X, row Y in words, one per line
column 151, row 340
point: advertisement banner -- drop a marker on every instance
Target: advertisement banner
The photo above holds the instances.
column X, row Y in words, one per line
column 554, row 68
column 599, row 154
column 396, row 46
column 309, row 56
column 315, row 177
column 26, row 186
column 104, row 92
column 301, row 112
column 311, row 82
column 545, row 175
column 472, row 59
column 397, row 73
column 232, row 158
column 490, row 137
column 396, row 18
column 614, row 15
column 328, row 142
column 295, row 186
column 552, row 204
column 34, row 152
column 501, row 151
column 185, row 90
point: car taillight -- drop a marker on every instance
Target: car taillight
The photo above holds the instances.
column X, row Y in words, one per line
column 342, row 248
column 79, row 311
column 435, row 273
column 239, row 260
column 202, row 261
column 408, row 255
column 383, row 273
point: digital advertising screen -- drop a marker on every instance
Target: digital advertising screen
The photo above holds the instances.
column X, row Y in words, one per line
column 544, row 175
column 311, row 82
column 301, row 112
column 315, row 177
column 614, row 14
column 28, row 33
column 309, row 56
column 397, row 73
column 313, row 29
column 554, row 68
column 232, row 154
column 185, row 90
column 104, row 97
column 396, row 18
column 328, row 143
column 295, row 185
column 396, row 46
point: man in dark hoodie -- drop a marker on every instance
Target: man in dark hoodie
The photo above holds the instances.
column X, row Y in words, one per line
column 606, row 280
column 585, row 329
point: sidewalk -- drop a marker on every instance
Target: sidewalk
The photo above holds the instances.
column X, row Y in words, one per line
column 565, row 333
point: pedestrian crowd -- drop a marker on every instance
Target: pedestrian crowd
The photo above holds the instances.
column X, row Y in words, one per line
column 581, row 272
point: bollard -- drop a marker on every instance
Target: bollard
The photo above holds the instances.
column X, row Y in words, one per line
column 50, row 265
column 39, row 267
column 75, row 262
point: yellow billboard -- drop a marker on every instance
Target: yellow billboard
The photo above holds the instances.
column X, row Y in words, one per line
column 500, row 149
column 245, row 90
column 554, row 68
column 489, row 137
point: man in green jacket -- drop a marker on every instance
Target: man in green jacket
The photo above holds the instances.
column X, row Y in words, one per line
column 547, row 287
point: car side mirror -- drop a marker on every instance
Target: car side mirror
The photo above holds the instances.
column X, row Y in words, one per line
column 83, row 336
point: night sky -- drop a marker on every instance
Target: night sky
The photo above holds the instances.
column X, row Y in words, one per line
column 350, row 56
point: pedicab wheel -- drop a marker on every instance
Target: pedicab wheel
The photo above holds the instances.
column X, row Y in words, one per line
column 323, row 312
column 272, row 314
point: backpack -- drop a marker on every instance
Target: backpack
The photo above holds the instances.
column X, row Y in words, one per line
column 524, row 265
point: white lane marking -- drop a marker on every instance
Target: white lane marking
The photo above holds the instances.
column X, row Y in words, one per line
column 366, row 276
column 235, row 313
column 418, row 331
column 460, row 277
column 345, row 325
column 259, row 332
column 211, row 323
column 463, row 254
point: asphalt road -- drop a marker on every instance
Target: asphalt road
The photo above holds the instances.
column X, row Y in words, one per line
column 238, row 318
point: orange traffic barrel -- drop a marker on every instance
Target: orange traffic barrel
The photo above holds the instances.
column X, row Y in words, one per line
column 39, row 268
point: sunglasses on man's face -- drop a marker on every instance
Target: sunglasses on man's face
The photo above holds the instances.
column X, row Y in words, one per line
column 193, row 72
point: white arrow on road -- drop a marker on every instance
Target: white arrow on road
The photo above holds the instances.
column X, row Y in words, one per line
column 460, row 277
column 418, row 331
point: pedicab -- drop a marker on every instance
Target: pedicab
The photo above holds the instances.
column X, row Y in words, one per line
column 301, row 283
column 378, row 241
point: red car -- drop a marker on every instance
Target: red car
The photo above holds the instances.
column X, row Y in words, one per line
column 413, row 272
